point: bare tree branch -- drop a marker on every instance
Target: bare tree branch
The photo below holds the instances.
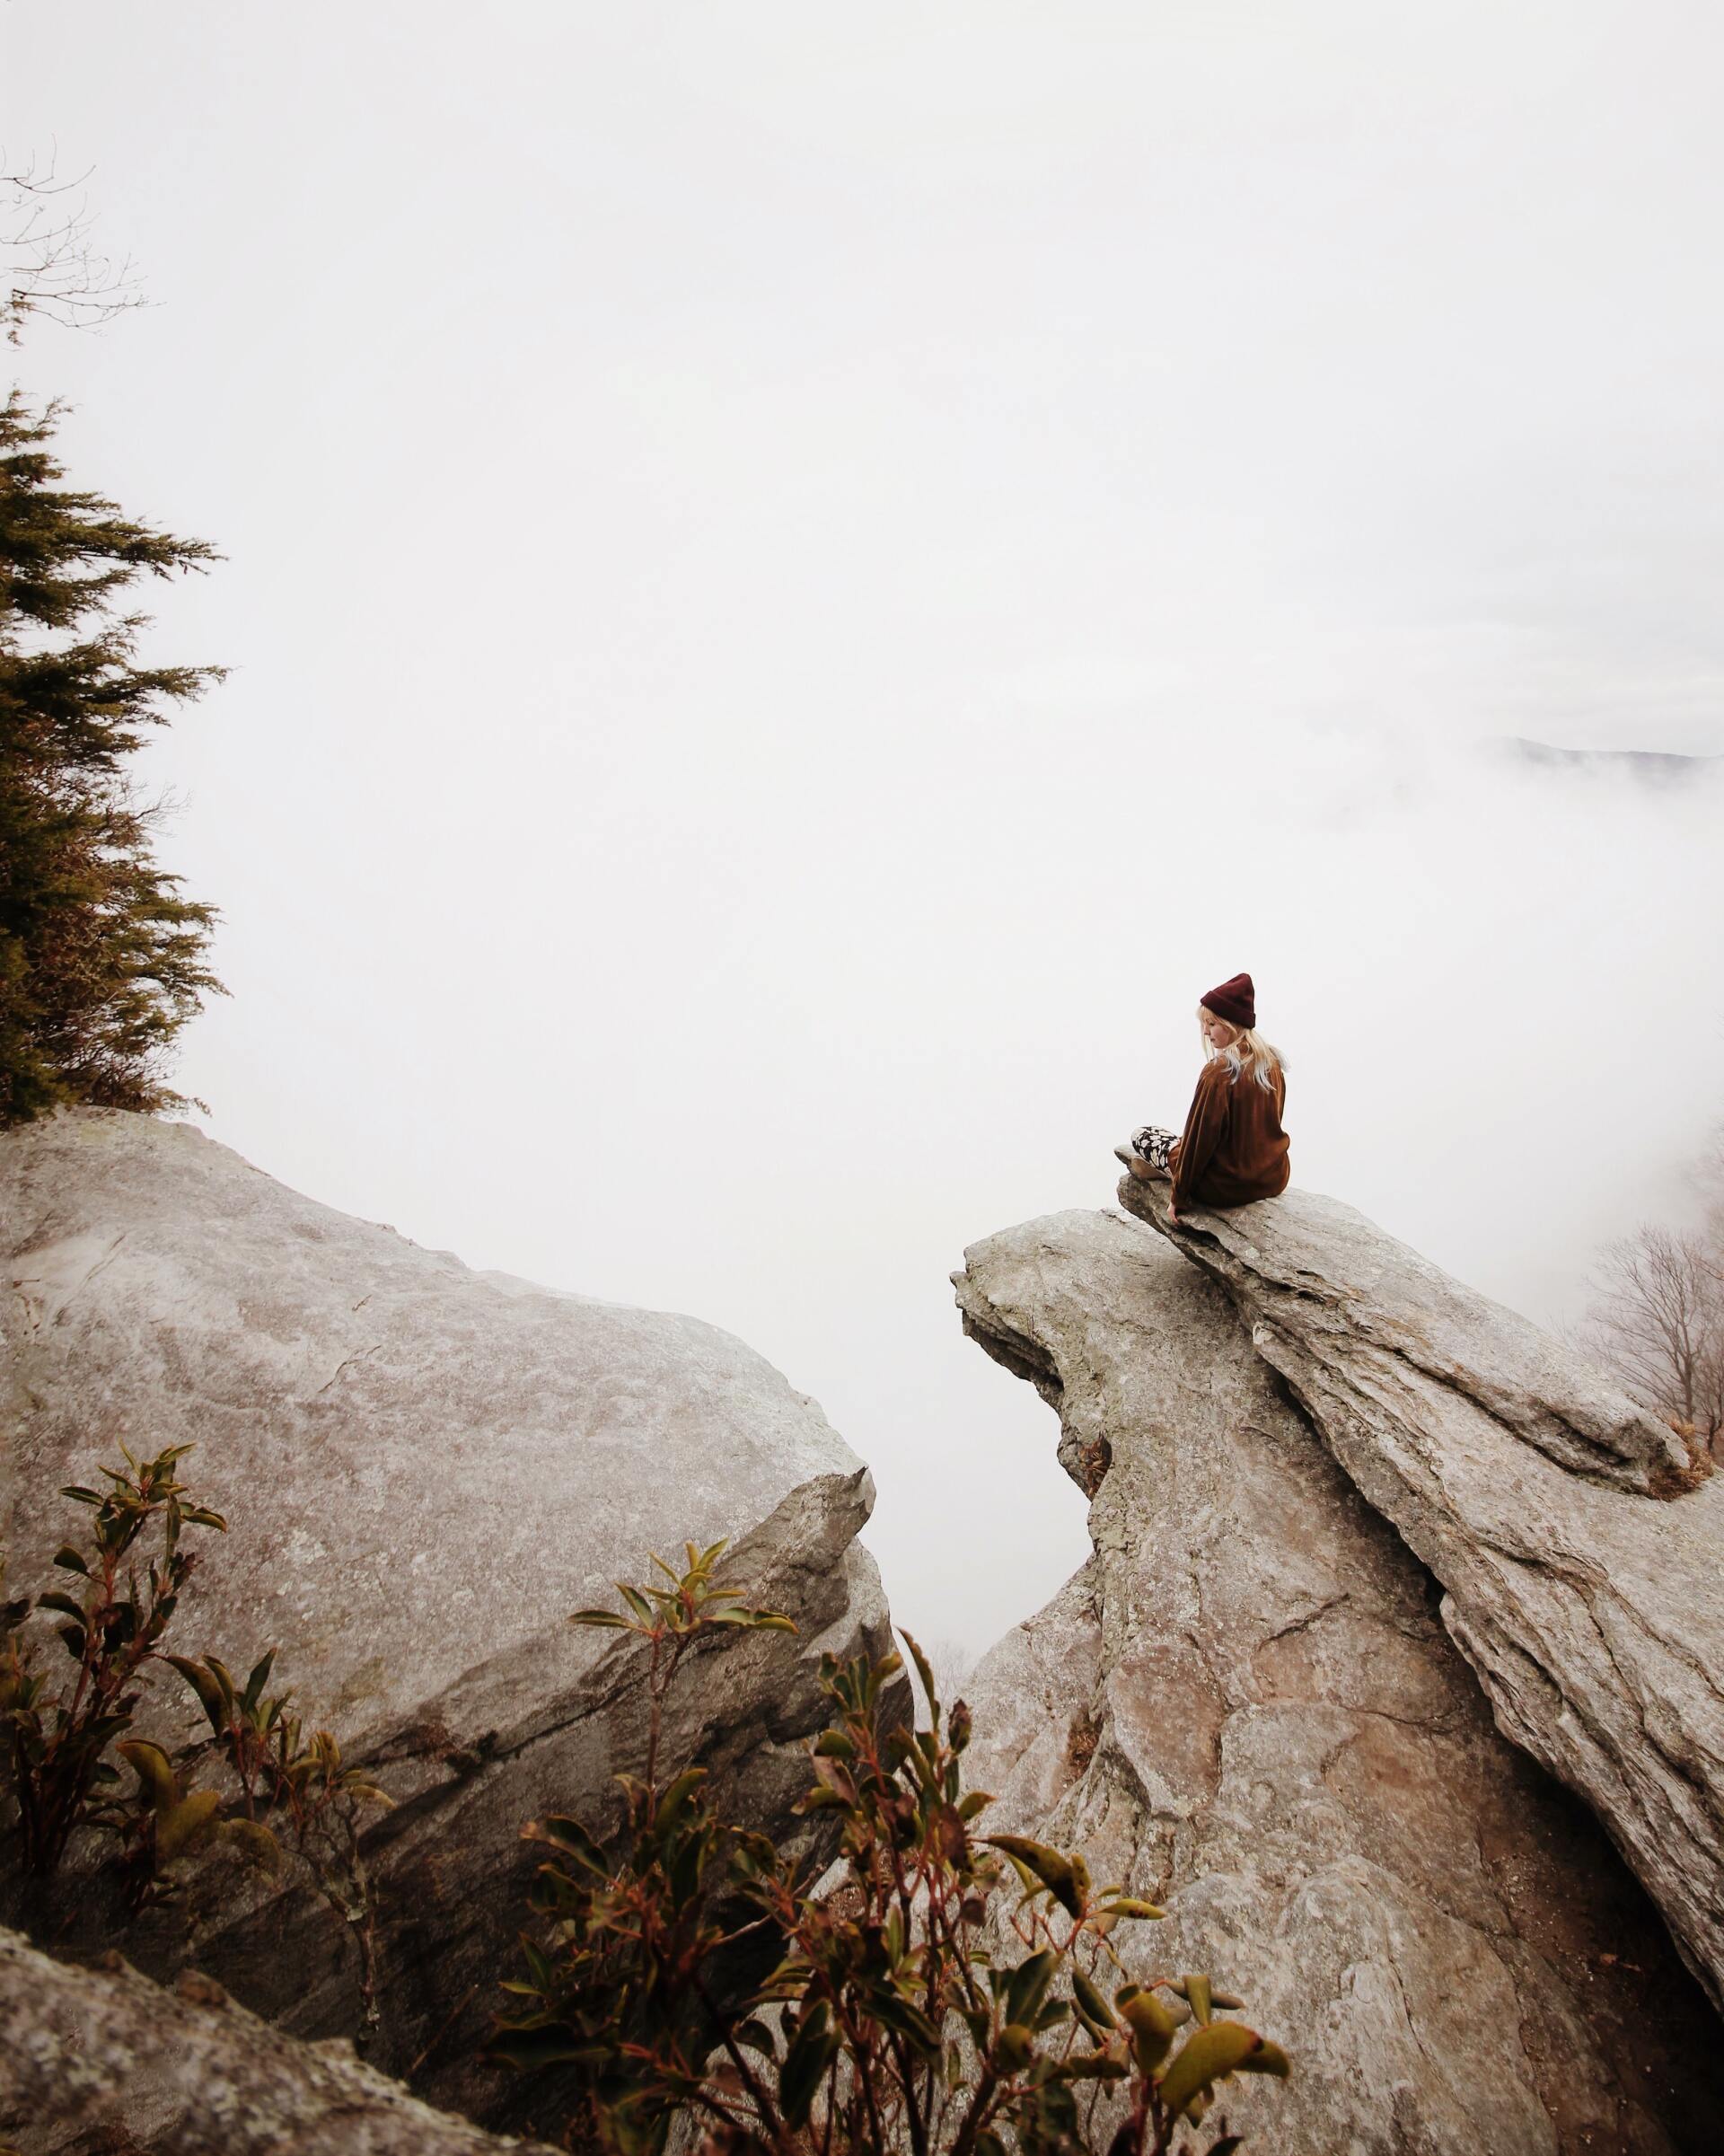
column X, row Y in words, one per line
column 1658, row 1319
column 48, row 264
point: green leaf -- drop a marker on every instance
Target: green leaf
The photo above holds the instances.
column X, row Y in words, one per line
column 812, row 2051
column 255, row 1843
column 1097, row 2015
column 182, row 1825
column 601, row 1616
column 223, row 1677
column 925, row 1671
column 897, row 2014
column 256, row 1682
column 538, row 1962
column 569, row 1836
column 526, row 2049
column 1151, row 2025
column 1127, row 1907
column 153, row 1769
column 1049, row 1866
column 1094, row 2066
column 636, row 1601
column 80, row 1496
column 209, row 1693
column 69, row 1560
column 64, row 1603
column 822, row 1801
column 755, row 2034
column 675, row 1799
column 1028, row 1984
column 1210, row 2054
column 688, row 1869
column 1013, row 2048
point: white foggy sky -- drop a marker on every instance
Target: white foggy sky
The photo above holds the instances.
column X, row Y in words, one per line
column 802, row 581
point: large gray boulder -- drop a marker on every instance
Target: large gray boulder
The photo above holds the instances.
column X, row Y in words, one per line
column 425, row 1469
column 103, row 2059
column 1582, row 1564
column 1245, row 1706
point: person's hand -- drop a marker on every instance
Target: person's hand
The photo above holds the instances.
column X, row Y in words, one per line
column 1173, row 1216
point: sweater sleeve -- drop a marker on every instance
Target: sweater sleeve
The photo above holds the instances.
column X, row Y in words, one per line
column 1202, row 1133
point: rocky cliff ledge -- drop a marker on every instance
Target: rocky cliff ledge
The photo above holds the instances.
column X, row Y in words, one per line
column 1250, row 1705
column 1593, row 1614
column 425, row 1470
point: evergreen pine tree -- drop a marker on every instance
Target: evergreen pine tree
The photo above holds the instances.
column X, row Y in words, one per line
column 101, row 961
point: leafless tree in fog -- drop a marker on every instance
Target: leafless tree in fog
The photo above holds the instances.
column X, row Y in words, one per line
column 1658, row 1319
column 49, row 265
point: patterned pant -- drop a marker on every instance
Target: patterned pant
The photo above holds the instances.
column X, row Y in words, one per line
column 1151, row 1144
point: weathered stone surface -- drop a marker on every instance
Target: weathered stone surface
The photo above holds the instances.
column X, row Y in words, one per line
column 426, row 1469
column 1245, row 1706
column 1372, row 1307
column 102, row 2060
column 1593, row 1614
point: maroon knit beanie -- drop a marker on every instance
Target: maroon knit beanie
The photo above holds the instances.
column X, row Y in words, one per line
column 1235, row 1000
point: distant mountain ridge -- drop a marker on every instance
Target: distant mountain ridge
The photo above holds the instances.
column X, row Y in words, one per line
column 1662, row 766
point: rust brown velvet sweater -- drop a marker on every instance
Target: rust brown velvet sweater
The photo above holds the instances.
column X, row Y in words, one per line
column 1233, row 1149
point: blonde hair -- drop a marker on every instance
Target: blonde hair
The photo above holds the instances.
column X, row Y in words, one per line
column 1247, row 1050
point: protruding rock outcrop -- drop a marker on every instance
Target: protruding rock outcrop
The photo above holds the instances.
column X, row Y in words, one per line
column 102, row 2058
column 426, row 1470
column 1245, row 1705
column 1592, row 1609
column 1379, row 1320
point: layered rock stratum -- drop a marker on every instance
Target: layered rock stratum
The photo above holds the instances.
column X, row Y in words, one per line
column 426, row 1470
column 1577, row 1541
column 1250, row 1704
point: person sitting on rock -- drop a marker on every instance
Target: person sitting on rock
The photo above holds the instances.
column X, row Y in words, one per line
column 1233, row 1149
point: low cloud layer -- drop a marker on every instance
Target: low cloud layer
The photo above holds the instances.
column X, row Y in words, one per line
column 798, row 589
